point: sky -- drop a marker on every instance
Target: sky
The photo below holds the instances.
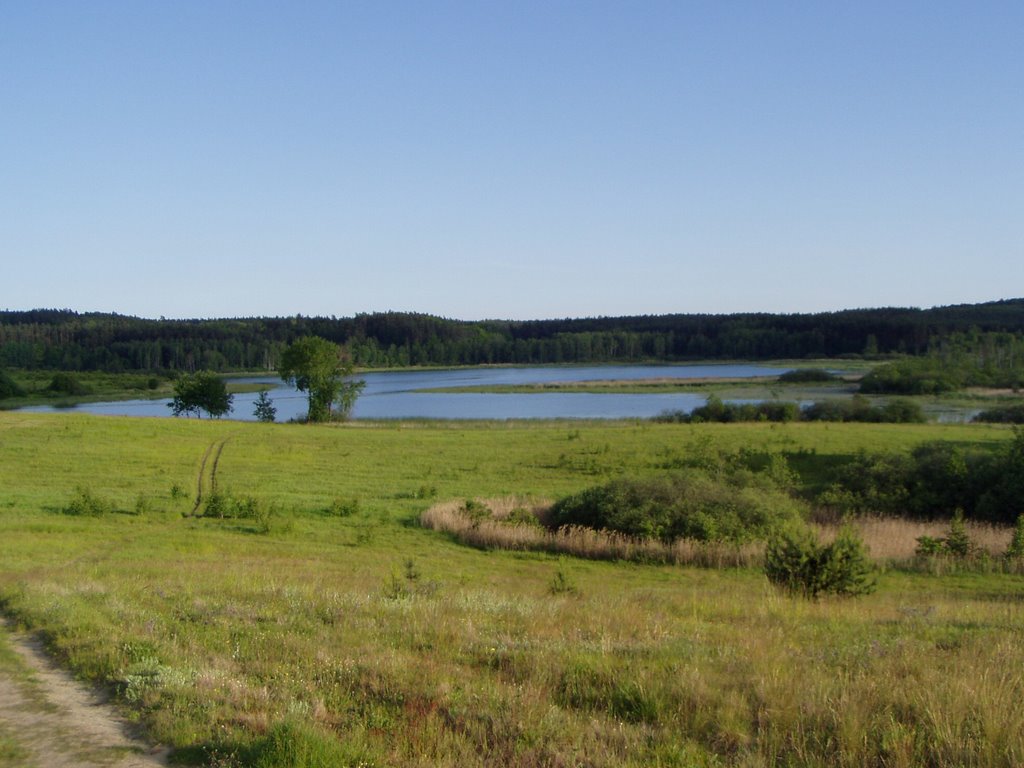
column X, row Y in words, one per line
column 509, row 160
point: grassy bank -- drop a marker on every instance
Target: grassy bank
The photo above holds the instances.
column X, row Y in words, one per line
column 338, row 625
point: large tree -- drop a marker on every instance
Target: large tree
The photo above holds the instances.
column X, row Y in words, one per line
column 320, row 369
column 201, row 391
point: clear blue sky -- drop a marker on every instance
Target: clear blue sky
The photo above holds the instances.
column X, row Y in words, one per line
column 509, row 160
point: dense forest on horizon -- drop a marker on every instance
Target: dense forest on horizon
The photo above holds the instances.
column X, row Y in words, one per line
column 61, row 339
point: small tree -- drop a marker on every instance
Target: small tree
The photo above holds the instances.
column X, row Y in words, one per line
column 198, row 392
column 265, row 410
column 958, row 543
column 317, row 367
column 795, row 561
column 1016, row 549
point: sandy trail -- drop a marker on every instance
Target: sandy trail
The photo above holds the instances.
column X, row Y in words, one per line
column 57, row 722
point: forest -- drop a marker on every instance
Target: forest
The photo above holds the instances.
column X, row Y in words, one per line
column 61, row 339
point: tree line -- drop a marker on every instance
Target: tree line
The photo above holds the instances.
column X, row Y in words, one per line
column 66, row 340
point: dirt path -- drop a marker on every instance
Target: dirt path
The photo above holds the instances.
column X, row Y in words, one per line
column 49, row 720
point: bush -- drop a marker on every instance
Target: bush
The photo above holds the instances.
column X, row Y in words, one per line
column 859, row 408
column 956, row 543
column 222, row 504
column 86, row 503
column 66, row 384
column 343, row 507
column 737, row 508
column 806, row 376
column 1009, row 414
column 1016, row 549
column 796, row 562
column 476, row 510
column 8, row 388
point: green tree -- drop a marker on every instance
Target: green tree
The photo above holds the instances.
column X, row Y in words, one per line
column 265, row 410
column 8, row 387
column 320, row 369
column 198, row 392
column 795, row 561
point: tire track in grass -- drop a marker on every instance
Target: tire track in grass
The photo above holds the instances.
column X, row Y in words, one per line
column 199, row 481
column 216, row 462
column 213, row 451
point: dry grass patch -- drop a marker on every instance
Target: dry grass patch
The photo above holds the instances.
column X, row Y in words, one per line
column 517, row 523
column 504, row 527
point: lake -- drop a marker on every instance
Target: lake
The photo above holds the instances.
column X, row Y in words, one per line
column 395, row 395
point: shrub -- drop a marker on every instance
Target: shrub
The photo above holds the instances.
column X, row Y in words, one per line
column 806, row 376
column 476, row 510
column 222, row 504
column 796, row 562
column 958, row 543
column 561, row 582
column 8, row 388
column 66, row 384
column 1016, row 548
column 955, row 544
column 1009, row 414
column 343, row 507
column 85, row 502
column 736, row 508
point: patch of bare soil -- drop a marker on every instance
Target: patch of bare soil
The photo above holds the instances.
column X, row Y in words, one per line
column 57, row 722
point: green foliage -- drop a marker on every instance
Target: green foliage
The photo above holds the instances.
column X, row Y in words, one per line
column 67, row 384
column 796, row 562
column 1007, row 414
column 8, row 387
column 264, row 409
column 715, row 410
column 958, row 543
column 955, row 544
column 737, row 507
column 85, row 502
column 562, row 583
column 933, row 481
column 317, row 367
column 954, row 361
column 858, row 408
column 806, row 376
column 223, row 504
column 60, row 339
column 198, row 392
column 1016, row 549
column 343, row 507
column 475, row 510
column 522, row 516
column 912, row 376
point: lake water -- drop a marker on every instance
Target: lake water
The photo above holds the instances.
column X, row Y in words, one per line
column 394, row 395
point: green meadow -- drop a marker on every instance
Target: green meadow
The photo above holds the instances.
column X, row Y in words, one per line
column 332, row 629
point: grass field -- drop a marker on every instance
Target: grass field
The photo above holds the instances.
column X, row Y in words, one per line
column 309, row 637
